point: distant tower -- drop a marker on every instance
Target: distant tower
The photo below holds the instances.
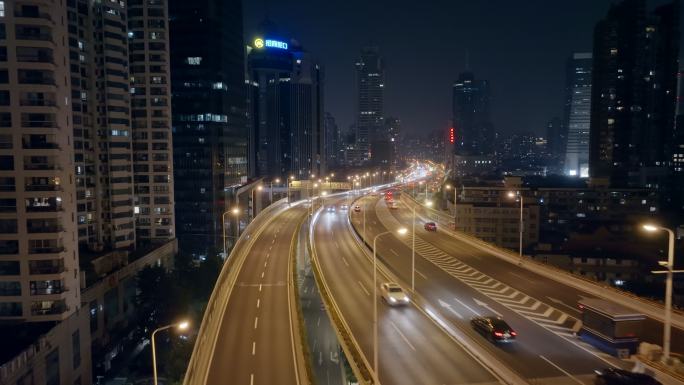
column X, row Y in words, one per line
column 471, row 116
column 577, row 114
column 370, row 79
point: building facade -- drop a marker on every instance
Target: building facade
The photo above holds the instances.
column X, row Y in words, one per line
column 634, row 82
column 577, row 114
column 288, row 127
column 210, row 136
column 370, row 107
column 474, row 132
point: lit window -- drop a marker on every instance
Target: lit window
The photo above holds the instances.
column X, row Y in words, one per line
column 194, row 61
column 2, row 9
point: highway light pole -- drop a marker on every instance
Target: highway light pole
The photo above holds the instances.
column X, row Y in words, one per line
column 375, row 301
column 277, row 181
column 180, row 326
column 235, row 211
column 288, row 188
column 668, row 286
column 513, row 195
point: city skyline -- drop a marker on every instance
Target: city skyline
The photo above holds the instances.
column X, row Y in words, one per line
column 539, row 37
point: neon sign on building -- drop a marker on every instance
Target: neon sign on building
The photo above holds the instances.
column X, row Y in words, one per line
column 269, row 43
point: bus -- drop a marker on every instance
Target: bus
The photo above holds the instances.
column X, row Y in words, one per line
column 610, row 327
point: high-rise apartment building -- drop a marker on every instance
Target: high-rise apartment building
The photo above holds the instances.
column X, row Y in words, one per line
column 370, row 108
column 38, row 232
column 288, row 125
column 474, row 132
column 634, row 83
column 210, row 135
column 577, row 114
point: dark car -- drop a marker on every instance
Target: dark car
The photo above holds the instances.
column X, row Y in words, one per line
column 495, row 329
column 612, row 376
column 430, row 226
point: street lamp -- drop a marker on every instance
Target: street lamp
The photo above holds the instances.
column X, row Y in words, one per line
column 400, row 231
column 235, row 211
column 668, row 285
column 183, row 325
column 448, row 187
column 277, row 180
column 513, row 195
column 288, row 189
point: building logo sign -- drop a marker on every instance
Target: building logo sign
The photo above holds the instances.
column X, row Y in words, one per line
column 270, row 43
column 452, row 135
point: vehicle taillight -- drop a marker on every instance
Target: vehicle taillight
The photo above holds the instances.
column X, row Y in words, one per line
column 513, row 333
column 498, row 334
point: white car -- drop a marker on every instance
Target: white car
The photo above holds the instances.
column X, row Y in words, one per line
column 344, row 207
column 393, row 294
column 331, row 209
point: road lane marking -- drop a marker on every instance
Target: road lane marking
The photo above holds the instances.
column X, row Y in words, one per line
column 345, row 261
column 318, row 323
column 363, row 288
column 254, row 348
column 268, row 255
column 450, row 308
column 259, row 287
column 520, row 276
column 256, row 322
column 394, row 252
column 258, row 302
column 402, row 335
column 265, row 263
column 251, row 379
column 421, row 274
column 262, row 274
column 467, row 307
column 561, row 369
column 561, row 303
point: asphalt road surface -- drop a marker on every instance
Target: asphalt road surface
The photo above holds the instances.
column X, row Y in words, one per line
column 255, row 343
column 412, row 349
column 545, row 349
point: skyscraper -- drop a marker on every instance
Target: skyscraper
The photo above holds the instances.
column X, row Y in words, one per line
column 333, row 141
column 209, row 116
column 471, row 116
column 287, row 109
column 370, row 83
column 577, row 114
column 633, row 92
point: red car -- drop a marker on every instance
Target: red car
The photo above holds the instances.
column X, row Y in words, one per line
column 430, row 226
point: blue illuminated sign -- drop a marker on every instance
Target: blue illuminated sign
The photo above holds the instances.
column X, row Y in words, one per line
column 270, row 43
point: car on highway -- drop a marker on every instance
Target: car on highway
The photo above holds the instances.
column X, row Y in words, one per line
column 344, row 207
column 357, row 208
column 494, row 329
column 430, row 226
column 613, row 376
column 331, row 209
column 393, row 294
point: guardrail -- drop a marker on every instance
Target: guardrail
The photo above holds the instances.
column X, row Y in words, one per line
column 651, row 308
column 358, row 362
column 205, row 344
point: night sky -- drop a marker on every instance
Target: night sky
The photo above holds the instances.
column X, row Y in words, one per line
column 520, row 46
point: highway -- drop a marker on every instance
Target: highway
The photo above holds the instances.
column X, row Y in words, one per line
column 548, row 290
column 412, row 348
column 255, row 342
column 447, row 278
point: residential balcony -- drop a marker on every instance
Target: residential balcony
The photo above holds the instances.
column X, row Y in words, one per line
column 44, row 229
column 40, row 146
column 37, row 103
column 41, row 166
column 47, row 308
column 42, row 187
column 47, row 250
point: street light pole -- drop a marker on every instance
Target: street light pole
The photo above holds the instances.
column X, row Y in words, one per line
column 513, row 195
column 667, row 332
column 181, row 326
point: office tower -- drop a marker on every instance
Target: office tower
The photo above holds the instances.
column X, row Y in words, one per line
column 370, row 83
column 209, row 122
column 287, row 109
column 393, row 131
column 38, row 233
column 633, row 93
column 474, row 132
column 555, row 138
column 333, row 141
column 577, row 114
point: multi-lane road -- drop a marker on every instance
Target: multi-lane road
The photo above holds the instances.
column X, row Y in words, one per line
column 256, row 343
column 412, row 349
column 449, row 280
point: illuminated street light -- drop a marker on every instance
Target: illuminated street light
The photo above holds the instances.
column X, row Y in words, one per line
column 668, row 285
column 183, row 325
column 513, row 195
